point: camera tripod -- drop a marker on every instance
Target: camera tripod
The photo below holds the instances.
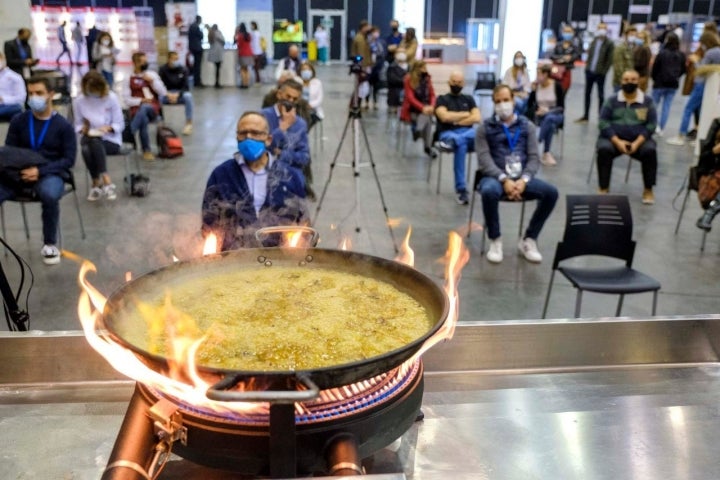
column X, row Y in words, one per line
column 354, row 122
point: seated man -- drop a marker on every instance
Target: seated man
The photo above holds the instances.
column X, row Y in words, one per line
column 12, row 91
column 627, row 122
column 175, row 77
column 142, row 93
column 291, row 62
column 302, row 106
column 252, row 190
column 44, row 131
column 457, row 113
column 288, row 130
column 507, row 152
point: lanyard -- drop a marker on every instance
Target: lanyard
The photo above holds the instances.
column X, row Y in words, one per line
column 511, row 141
column 33, row 145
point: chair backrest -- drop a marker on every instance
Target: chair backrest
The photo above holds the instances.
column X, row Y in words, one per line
column 597, row 225
column 485, row 81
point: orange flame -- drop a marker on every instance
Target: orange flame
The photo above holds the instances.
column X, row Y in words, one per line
column 191, row 390
column 176, row 259
column 456, row 257
column 406, row 255
column 394, row 222
column 128, row 276
column 293, row 239
column 345, row 244
column 211, row 245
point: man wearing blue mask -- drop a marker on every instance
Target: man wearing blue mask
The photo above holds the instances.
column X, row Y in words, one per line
column 44, row 131
column 175, row 77
column 251, row 190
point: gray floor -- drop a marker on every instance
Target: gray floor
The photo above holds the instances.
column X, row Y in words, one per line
column 140, row 234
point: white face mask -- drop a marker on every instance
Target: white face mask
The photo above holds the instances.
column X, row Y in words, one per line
column 105, row 42
column 519, row 62
column 504, row 110
column 306, row 74
column 601, row 33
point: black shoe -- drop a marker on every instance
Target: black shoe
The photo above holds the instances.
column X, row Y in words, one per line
column 431, row 152
column 692, row 134
column 461, row 197
column 218, row 86
column 416, row 135
column 705, row 222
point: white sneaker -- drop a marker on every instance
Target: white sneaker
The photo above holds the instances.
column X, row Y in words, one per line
column 495, row 252
column 188, row 129
column 95, row 194
column 548, row 160
column 528, row 249
column 110, row 191
column 659, row 131
column 677, row 141
column 50, row 255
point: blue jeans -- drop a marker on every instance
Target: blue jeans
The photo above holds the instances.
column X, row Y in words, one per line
column 141, row 120
column 463, row 141
column 184, row 99
column 548, row 125
column 108, row 77
column 694, row 102
column 9, row 111
column 491, row 191
column 520, row 105
column 49, row 190
column 664, row 95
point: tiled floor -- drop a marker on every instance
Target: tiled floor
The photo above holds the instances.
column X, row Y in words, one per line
column 141, row 234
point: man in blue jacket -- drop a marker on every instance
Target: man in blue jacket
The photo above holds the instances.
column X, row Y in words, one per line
column 45, row 131
column 287, row 129
column 252, row 190
column 507, row 152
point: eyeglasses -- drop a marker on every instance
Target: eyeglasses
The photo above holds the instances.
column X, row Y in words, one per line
column 251, row 133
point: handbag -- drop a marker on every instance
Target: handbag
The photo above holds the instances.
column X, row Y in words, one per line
column 708, row 188
column 558, row 71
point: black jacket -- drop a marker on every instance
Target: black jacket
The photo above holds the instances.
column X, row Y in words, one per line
column 605, row 59
column 709, row 162
column 195, row 38
column 174, row 78
column 532, row 102
column 13, row 57
column 667, row 69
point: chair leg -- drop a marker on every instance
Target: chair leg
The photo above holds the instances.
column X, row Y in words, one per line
column 522, row 220
column 547, row 296
column 654, row 303
column 437, row 188
column 469, row 226
column 592, row 167
column 482, row 242
column 24, row 215
column 77, row 208
column 682, row 211
column 468, row 168
column 627, row 173
column 578, row 303
column 619, row 305
column 702, row 245
column 2, row 221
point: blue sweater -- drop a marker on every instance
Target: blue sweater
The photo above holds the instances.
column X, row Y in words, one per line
column 228, row 211
column 59, row 146
column 293, row 144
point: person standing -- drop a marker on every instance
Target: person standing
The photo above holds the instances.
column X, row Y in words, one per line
column 393, row 40
column 18, row 54
column 642, row 58
column 217, row 51
column 62, row 38
column 668, row 67
column 624, row 56
column 103, row 55
column 90, row 42
column 379, row 51
column 566, row 54
column 12, row 91
column 259, row 58
column 409, row 43
column 79, row 40
column 243, row 40
column 195, row 45
column 323, row 43
column 599, row 61
column 43, row 130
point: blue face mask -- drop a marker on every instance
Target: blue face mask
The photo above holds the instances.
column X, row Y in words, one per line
column 567, row 36
column 37, row 103
column 251, row 149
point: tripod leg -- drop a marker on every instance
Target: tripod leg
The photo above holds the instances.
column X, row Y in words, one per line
column 380, row 192
column 332, row 167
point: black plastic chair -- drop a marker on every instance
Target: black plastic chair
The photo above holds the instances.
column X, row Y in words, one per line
column 476, row 183
column 600, row 225
column 691, row 180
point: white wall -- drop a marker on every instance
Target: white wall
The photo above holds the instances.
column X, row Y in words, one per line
column 14, row 14
column 520, row 26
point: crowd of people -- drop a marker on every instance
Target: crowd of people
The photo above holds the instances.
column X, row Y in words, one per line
column 269, row 178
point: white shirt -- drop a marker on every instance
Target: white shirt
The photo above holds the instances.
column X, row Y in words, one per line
column 315, row 96
column 256, row 181
column 12, row 88
column 255, row 45
column 321, row 37
column 100, row 111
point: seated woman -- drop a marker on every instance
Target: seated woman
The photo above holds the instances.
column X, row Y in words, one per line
column 709, row 164
column 418, row 104
column 312, row 93
column 518, row 79
column 99, row 119
column 546, row 107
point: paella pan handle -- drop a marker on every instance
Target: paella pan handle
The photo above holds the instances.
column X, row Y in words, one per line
column 220, row 392
column 262, row 234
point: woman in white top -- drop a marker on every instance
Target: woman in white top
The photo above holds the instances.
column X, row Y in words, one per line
column 104, row 53
column 217, row 50
column 518, row 79
column 99, row 119
column 257, row 50
column 546, row 107
column 312, row 92
column 323, row 43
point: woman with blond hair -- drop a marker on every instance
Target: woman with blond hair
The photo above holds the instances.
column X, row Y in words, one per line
column 418, row 105
column 99, row 120
column 517, row 78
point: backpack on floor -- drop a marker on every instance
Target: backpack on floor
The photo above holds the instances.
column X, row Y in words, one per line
column 169, row 143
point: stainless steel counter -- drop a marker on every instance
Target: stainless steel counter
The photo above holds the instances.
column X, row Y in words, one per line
column 591, row 399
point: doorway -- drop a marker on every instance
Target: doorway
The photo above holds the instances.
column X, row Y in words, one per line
column 335, row 22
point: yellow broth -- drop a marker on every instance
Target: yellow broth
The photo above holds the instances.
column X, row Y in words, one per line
column 279, row 318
